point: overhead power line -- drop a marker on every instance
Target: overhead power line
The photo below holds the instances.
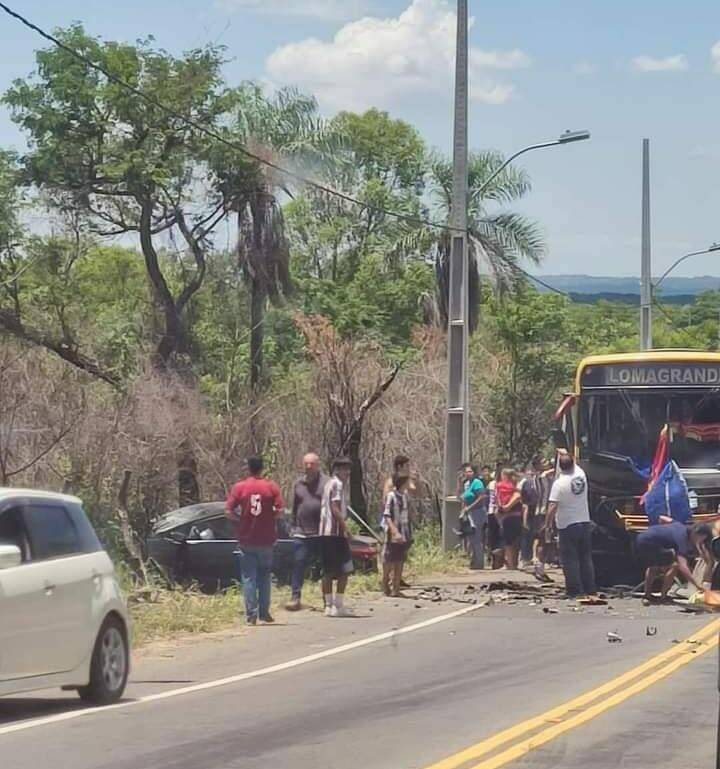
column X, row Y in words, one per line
column 213, row 134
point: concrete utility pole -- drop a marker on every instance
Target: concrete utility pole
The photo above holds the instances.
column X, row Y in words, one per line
column 457, row 425
column 645, row 259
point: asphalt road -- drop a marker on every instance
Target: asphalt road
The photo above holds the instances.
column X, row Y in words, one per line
column 407, row 702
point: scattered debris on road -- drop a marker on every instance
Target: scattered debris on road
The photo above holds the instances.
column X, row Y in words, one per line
column 614, row 637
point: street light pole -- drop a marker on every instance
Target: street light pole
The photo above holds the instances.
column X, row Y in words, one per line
column 708, row 250
column 457, row 422
column 645, row 258
column 564, row 138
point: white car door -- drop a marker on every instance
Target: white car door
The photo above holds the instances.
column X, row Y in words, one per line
column 69, row 582
column 22, row 607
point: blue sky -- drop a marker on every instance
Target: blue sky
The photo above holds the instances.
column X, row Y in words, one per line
column 623, row 70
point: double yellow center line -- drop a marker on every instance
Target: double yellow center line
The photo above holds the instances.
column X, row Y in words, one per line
column 534, row 732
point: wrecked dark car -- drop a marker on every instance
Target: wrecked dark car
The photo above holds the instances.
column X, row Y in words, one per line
column 196, row 544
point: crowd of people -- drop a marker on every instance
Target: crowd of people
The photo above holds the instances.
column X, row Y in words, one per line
column 504, row 517
column 509, row 519
column 319, row 528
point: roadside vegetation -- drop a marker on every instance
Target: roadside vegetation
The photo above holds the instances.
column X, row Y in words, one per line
column 169, row 304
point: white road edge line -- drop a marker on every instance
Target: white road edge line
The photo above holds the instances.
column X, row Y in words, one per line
column 72, row 714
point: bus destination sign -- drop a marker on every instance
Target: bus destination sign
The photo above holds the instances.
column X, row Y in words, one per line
column 656, row 374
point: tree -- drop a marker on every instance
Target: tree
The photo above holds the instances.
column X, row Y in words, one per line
column 129, row 166
column 20, row 257
column 498, row 242
column 383, row 165
column 351, row 383
column 282, row 128
column 536, row 342
column 378, row 301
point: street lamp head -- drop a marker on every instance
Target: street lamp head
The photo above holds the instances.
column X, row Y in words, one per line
column 714, row 247
column 573, row 136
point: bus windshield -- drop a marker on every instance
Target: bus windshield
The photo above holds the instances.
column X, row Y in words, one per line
column 628, row 423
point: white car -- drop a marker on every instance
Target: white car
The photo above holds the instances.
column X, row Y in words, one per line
column 63, row 620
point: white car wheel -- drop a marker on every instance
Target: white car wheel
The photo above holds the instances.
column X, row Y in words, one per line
column 110, row 665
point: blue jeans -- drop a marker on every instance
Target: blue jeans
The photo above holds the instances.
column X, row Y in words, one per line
column 255, row 571
column 307, row 550
column 476, row 541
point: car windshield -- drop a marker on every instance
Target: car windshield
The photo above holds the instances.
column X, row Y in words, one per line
column 628, row 424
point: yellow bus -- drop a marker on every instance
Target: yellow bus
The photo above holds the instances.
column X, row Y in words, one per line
column 624, row 409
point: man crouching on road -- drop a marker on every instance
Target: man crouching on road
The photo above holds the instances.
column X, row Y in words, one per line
column 335, row 552
column 260, row 503
column 664, row 548
column 568, row 508
column 306, row 505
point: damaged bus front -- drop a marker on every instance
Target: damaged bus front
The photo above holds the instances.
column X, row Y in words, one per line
column 629, row 410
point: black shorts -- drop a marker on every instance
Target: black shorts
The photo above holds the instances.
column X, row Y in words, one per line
column 395, row 552
column 511, row 527
column 336, row 557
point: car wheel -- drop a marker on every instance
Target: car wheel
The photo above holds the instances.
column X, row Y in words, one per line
column 110, row 665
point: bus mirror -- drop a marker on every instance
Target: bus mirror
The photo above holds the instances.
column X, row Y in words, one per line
column 559, row 439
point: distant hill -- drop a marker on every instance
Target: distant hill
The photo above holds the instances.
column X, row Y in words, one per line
column 630, row 299
column 624, row 289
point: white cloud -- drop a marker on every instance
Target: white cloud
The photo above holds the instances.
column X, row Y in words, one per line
column 328, row 10
column 677, row 63
column 380, row 61
column 715, row 56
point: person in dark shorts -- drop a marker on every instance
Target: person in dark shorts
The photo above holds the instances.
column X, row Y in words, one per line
column 664, row 548
column 334, row 535
column 398, row 535
column 510, row 510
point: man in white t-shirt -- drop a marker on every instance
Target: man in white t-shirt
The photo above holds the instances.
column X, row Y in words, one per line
column 334, row 537
column 568, row 507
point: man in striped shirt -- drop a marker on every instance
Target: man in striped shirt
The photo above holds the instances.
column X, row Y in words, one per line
column 334, row 535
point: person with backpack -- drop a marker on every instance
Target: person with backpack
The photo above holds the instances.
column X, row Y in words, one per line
column 398, row 535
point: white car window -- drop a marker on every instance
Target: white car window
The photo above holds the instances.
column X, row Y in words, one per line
column 52, row 532
column 12, row 531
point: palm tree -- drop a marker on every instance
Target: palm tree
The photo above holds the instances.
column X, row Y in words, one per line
column 284, row 129
column 498, row 242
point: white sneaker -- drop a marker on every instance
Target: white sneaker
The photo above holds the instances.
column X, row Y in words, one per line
column 342, row 611
column 329, row 611
column 334, row 611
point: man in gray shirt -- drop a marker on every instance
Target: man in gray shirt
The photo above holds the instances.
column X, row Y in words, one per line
column 306, row 502
column 568, row 506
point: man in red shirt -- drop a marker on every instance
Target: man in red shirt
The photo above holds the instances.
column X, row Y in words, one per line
column 259, row 503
